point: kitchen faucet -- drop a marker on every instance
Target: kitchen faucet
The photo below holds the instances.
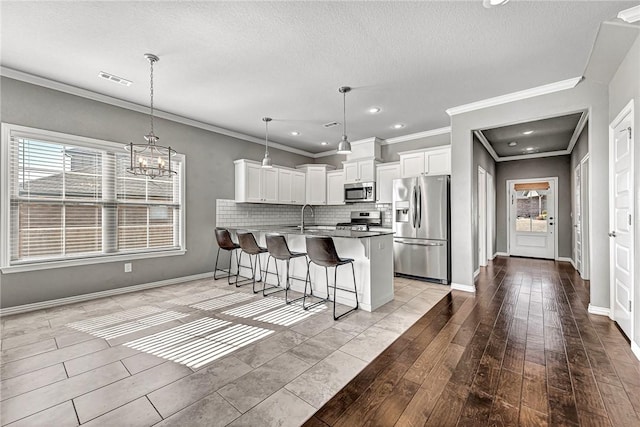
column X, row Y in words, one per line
column 302, row 216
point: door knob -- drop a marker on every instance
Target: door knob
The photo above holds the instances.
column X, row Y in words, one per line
column 550, row 223
column 612, row 234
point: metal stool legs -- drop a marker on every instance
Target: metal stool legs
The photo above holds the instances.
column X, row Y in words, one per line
column 335, row 287
column 279, row 288
column 228, row 274
column 253, row 264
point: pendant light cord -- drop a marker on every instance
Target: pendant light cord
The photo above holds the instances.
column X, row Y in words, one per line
column 151, row 60
column 344, row 113
column 266, row 138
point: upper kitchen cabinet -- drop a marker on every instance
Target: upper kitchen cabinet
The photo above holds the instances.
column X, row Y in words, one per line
column 386, row 173
column 291, row 187
column 335, row 188
column 255, row 184
column 359, row 171
column 430, row 161
column 316, row 183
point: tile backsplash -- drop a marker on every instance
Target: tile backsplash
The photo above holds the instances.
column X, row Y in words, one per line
column 232, row 214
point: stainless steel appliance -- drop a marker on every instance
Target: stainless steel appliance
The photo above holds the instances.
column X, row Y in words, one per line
column 361, row 221
column 421, row 222
column 360, row 192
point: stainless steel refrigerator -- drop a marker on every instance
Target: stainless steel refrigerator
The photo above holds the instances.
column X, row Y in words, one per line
column 421, row 222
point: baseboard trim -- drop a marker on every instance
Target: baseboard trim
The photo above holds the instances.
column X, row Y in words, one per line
column 565, row 259
column 501, row 254
column 18, row 309
column 463, row 288
column 635, row 349
column 600, row 311
column 476, row 274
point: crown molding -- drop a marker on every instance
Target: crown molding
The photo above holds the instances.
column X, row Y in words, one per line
column 577, row 131
column 516, row 96
column 630, row 15
column 483, row 140
column 95, row 96
column 418, row 135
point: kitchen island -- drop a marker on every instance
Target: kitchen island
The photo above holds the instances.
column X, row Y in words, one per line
column 372, row 252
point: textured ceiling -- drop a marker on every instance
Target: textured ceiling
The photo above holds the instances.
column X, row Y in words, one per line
column 228, row 64
column 547, row 135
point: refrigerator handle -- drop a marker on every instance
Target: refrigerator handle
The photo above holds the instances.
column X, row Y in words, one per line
column 413, row 206
column 419, row 205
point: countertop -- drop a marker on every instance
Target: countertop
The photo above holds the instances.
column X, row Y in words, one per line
column 313, row 230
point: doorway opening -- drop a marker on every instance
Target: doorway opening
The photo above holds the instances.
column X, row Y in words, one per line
column 531, row 207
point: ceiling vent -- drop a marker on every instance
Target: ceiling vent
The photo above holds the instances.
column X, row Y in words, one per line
column 330, row 124
column 115, row 79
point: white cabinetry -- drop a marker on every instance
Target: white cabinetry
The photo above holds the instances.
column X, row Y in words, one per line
column 291, row 187
column 316, row 183
column 253, row 184
column 359, row 171
column 431, row 161
column 386, row 173
column 335, row 188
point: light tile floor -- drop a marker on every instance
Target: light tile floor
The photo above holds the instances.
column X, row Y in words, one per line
column 196, row 353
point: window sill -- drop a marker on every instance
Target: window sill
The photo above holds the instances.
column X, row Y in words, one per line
column 88, row 261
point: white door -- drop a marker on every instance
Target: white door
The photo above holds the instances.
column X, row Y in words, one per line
column 621, row 219
column 351, row 173
column 298, row 195
column 438, row 162
column 270, row 185
column 482, row 217
column 491, row 214
column 366, row 171
column 284, row 186
column 412, row 165
column 577, row 219
column 584, row 217
column 532, row 217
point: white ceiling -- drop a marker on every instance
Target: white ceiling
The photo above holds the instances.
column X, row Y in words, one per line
column 228, row 64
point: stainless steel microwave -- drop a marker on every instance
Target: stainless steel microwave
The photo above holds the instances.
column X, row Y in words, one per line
column 360, row 192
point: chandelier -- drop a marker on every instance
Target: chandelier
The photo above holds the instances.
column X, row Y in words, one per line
column 150, row 159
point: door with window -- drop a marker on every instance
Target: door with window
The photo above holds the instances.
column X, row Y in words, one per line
column 532, row 217
column 577, row 219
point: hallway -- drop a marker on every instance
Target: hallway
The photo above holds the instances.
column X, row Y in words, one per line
column 524, row 351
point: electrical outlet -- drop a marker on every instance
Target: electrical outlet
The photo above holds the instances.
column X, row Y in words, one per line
column 127, row 267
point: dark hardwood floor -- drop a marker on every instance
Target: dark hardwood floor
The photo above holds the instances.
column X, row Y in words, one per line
column 523, row 351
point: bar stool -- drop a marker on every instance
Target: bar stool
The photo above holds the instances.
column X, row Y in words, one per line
column 250, row 247
column 322, row 251
column 223, row 237
column 279, row 251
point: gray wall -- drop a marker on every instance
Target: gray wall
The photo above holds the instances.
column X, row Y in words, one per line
column 559, row 166
column 588, row 94
column 624, row 86
column 209, row 176
column 389, row 152
column 482, row 158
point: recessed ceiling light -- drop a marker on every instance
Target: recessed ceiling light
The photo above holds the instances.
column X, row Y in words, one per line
column 493, row 3
column 374, row 110
column 527, row 132
column 324, row 143
column 398, row 126
column 114, row 79
column 295, row 133
column 529, row 148
column 512, row 144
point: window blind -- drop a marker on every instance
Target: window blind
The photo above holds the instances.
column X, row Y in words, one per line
column 75, row 200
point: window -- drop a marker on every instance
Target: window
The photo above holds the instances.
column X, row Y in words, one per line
column 71, row 198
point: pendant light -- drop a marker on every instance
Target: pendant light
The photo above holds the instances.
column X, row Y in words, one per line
column 266, row 162
column 344, row 146
column 150, row 159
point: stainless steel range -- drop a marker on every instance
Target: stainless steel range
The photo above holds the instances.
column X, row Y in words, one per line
column 361, row 221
